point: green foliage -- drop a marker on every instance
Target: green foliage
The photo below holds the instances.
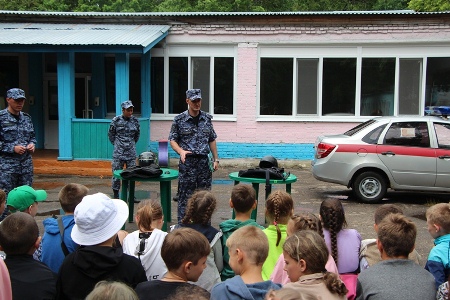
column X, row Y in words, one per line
column 222, row 5
column 429, row 5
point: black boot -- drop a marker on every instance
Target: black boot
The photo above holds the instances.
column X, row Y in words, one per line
column 116, row 194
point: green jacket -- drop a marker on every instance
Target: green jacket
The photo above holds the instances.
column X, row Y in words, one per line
column 228, row 227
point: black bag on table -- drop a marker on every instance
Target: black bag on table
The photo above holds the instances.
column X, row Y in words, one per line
column 268, row 169
column 274, row 173
column 151, row 171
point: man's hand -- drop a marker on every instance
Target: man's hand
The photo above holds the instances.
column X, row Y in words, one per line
column 183, row 155
column 20, row 149
column 30, row 148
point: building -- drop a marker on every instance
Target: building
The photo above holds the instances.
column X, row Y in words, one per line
column 273, row 81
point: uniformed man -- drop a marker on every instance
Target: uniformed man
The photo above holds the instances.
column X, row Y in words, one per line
column 193, row 137
column 123, row 133
column 17, row 143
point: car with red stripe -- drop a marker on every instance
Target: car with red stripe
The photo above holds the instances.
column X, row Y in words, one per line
column 400, row 153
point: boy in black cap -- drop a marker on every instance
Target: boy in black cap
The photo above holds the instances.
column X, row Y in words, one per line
column 123, row 133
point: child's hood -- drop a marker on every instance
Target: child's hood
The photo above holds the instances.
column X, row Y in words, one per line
column 257, row 290
column 233, row 225
column 51, row 224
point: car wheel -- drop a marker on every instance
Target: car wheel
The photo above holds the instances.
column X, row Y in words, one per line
column 369, row 187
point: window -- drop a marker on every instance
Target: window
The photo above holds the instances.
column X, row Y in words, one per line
column 409, row 87
column 377, row 86
column 412, row 134
column 337, row 83
column 437, row 91
column 373, row 136
column 9, row 75
column 157, row 84
column 276, row 86
column 307, row 86
column 213, row 74
column 443, row 135
column 134, row 84
column 178, row 84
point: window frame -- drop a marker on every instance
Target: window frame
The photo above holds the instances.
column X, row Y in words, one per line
column 190, row 52
column 396, row 52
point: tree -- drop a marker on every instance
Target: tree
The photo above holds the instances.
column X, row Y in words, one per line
column 429, row 5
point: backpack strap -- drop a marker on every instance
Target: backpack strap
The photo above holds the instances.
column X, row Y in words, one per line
column 61, row 232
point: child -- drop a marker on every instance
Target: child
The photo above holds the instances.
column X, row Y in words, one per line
column 395, row 277
column 19, row 238
column 97, row 221
column 306, row 254
column 243, row 202
column 184, row 252
column 145, row 243
column 54, row 246
column 279, row 208
column 112, row 290
column 248, row 248
column 199, row 210
column 438, row 222
column 343, row 243
column 369, row 254
column 25, row 199
column 303, row 221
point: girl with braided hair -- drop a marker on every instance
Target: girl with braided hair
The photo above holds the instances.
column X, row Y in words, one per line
column 146, row 242
column 279, row 209
column 199, row 210
column 306, row 254
column 343, row 243
column 302, row 221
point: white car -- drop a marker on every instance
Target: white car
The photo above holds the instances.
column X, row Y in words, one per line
column 401, row 153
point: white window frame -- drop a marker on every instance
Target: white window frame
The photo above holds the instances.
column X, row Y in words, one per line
column 193, row 52
column 404, row 51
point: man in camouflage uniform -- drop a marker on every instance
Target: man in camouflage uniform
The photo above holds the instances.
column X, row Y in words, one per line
column 192, row 136
column 123, row 133
column 17, row 144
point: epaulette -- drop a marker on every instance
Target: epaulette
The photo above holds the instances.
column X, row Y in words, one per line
column 208, row 115
column 179, row 116
column 3, row 111
column 26, row 114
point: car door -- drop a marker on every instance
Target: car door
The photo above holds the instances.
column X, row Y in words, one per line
column 406, row 152
column 443, row 154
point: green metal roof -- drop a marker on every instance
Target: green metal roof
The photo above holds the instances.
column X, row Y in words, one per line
column 101, row 37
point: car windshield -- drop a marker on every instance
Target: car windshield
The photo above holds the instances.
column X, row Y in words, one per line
column 359, row 127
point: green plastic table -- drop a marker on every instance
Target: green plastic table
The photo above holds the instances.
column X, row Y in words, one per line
column 127, row 192
column 256, row 181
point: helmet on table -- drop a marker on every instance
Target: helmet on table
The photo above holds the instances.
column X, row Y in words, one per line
column 147, row 158
column 268, row 161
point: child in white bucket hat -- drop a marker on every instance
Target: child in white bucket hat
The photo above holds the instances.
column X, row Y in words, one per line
column 97, row 221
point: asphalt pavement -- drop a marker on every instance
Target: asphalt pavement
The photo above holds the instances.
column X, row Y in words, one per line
column 307, row 193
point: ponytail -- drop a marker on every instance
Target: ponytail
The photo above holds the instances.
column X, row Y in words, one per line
column 334, row 284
